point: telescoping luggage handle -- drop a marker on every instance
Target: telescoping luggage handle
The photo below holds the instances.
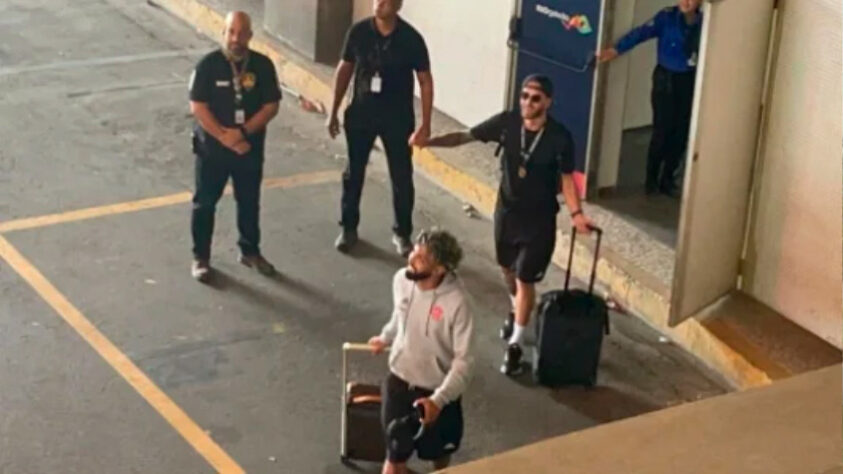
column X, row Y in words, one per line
column 599, row 233
column 346, row 348
column 352, row 347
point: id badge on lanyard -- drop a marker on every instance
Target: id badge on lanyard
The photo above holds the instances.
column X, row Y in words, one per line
column 377, row 84
column 236, row 80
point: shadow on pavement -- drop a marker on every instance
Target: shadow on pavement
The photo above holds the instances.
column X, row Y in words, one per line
column 602, row 403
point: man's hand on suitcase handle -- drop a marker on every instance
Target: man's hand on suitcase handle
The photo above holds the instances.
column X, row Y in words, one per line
column 429, row 409
column 582, row 222
column 377, row 344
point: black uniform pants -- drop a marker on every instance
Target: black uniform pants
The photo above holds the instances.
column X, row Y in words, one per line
column 212, row 173
column 672, row 98
column 360, row 138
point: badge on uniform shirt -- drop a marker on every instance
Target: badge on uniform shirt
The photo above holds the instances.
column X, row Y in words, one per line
column 240, row 116
column 248, row 81
column 377, row 84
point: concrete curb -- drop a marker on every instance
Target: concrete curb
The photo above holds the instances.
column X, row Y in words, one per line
column 648, row 302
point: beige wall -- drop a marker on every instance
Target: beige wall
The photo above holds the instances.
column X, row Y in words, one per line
column 794, row 253
column 362, row 9
column 468, row 52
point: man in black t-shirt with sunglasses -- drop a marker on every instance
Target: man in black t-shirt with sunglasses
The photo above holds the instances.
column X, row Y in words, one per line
column 537, row 160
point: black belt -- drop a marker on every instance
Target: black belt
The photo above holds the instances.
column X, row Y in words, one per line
column 675, row 73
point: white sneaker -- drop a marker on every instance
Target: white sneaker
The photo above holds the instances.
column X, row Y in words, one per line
column 200, row 270
column 402, row 245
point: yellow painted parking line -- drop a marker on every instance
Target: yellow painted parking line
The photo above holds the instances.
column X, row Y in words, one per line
column 302, row 179
column 178, row 419
column 292, row 181
column 92, row 212
column 456, row 181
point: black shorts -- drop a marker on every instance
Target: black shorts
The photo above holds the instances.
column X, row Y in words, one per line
column 524, row 243
column 439, row 440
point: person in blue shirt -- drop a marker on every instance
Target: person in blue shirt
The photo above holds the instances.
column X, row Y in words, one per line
column 678, row 31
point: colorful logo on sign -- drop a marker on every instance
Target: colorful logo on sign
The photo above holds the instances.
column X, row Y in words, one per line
column 569, row 22
column 578, row 22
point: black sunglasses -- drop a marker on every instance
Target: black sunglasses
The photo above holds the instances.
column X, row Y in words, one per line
column 532, row 98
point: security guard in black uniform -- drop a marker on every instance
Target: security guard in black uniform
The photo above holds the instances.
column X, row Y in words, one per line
column 234, row 93
column 678, row 31
column 381, row 53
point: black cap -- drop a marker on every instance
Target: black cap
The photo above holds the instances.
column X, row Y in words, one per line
column 402, row 433
column 543, row 82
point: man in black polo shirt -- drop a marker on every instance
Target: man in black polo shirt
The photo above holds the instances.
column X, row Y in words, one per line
column 381, row 53
column 538, row 155
column 234, row 94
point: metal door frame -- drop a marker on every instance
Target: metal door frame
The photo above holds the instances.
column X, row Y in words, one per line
column 598, row 104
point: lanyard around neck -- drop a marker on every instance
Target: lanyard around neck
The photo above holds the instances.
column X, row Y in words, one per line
column 236, row 78
column 525, row 153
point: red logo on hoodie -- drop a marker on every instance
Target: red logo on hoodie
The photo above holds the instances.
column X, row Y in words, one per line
column 436, row 313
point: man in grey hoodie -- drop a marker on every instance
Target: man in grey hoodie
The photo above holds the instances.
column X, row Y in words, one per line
column 430, row 333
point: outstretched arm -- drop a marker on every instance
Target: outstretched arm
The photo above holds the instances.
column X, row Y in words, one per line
column 633, row 38
column 451, row 140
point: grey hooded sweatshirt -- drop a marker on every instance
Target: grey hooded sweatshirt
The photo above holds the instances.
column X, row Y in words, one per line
column 431, row 337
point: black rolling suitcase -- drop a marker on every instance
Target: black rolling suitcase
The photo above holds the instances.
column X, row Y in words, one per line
column 362, row 436
column 569, row 330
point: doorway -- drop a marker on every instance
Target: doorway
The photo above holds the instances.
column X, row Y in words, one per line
column 627, row 128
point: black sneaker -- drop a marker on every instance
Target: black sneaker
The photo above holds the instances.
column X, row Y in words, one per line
column 508, row 326
column 671, row 191
column 257, row 262
column 346, row 240
column 402, row 245
column 512, row 361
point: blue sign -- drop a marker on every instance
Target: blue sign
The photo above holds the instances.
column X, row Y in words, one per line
column 558, row 38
